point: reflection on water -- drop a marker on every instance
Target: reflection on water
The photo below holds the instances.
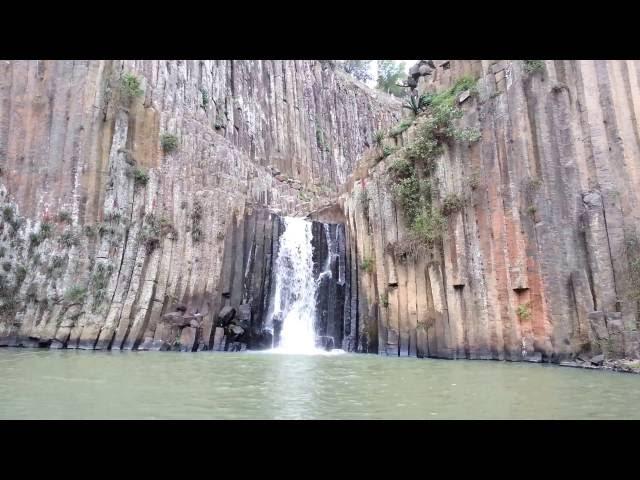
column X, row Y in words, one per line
column 168, row 385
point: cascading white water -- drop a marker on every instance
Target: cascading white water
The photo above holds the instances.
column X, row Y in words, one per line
column 295, row 288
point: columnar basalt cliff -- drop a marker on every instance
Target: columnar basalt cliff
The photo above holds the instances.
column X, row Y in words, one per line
column 141, row 205
column 539, row 257
column 124, row 181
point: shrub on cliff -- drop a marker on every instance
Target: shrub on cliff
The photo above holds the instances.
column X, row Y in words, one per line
column 384, row 300
column 100, row 282
column 205, row 98
column 150, row 235
column 533, row 66
column 452, row 203
column 75, row 294
column 153, row 231
column 429, row 225
column 130, row 88
column 416, row 104
column 367, row 265
column 449, row 96
column 524, row 311
column 64, row 216
column 45, row 230
column 169, row 142
column 378, row 138
column 36, row 239
column 196, row 219
column 401, row 127
column 69, row 239
column 9, row 216
column 411, row 183
column 140, row 177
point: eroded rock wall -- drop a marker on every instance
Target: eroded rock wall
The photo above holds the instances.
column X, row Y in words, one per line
column 108, row 240
column 541, row 263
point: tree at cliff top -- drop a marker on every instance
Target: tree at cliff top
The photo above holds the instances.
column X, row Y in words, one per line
column 359, row 69
column 389, row 75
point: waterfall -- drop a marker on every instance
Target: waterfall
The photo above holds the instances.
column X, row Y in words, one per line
column 295, row 288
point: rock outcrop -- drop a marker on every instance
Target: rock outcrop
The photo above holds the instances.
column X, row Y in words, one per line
column 540, row 262
column 123, row 183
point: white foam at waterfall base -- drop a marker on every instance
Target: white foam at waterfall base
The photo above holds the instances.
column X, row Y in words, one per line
column 295, row 294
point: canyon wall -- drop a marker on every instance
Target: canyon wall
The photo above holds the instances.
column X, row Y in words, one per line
column 112, row 239
column 542, row 260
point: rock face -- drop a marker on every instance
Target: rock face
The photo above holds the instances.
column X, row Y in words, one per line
column 151, row 221
column 119, row 208
column 541, row 261
column 330, row 265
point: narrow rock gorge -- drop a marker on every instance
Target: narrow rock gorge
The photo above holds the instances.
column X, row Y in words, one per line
column 143, row 203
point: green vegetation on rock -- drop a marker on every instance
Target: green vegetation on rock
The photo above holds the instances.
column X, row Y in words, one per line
column 75, row 294
column 633, row 256
column 196, row 219
column 44, row 233
column 169, row 142
column 452, row 203
column 130, row 88
column 401, row 127
column 378, row 139
column 153, row 230
column 410, row 175
column 367, row 265
column 363, row 198
column 140, row 176
column 64, row 216
column 384, row 300
column 69, row 239
column 524, row 311
column 205, row 98
column 100, row 281
column 533, row 66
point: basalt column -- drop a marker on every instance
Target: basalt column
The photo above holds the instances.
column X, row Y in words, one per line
column 246, row 282
column 330, row 265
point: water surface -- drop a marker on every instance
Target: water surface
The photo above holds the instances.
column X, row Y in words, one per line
column 49, row 384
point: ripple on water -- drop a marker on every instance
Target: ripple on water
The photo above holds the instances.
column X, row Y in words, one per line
column 157, row 385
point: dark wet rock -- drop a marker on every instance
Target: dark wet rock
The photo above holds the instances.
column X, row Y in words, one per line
column 597, row 360
column 237, row 347
column 266, row 339
column 244, row 316
column 226, row 315
column 236, row 330
column 325, row 342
